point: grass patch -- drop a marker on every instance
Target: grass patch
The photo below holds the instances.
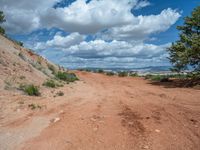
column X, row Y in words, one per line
column 65, row 76
column 166, row 78
column 135, row 74
column 22, row 77
column 34, row 106
column 100, row 71
column 110, row 73
column 50, row 83
column 30, row 90
column 22, row 56
column 122, row 74
column 60, row 93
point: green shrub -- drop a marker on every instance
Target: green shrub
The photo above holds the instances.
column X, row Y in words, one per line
column 148, row 76
column 31, row 90
column 100, row 71
column 22, row 56
column 134, row 74
column 22, row 77
column 60, row 93
column 50, row 83
column 2, row 31
column 19, row 43
column 88, row 70
column 122, row 74
column 160, row 78
column 34, row 106
column 110, row 73
column 2, row 19
column 65, row 76
column 157, row 78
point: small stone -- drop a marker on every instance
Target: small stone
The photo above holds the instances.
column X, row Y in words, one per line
column 130, row 123
column 146, row 147
column 55, row 120
column 61, row 112
column 125, row 132
column 18, row 110
column 93, row 119
column 158, row 131
column 95, row 129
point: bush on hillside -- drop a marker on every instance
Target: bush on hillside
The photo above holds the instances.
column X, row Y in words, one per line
column 65, row 76
column 60, row 93
column 31, row 90
column 50, row 83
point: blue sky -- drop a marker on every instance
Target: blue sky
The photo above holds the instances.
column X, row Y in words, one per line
column 106, row 33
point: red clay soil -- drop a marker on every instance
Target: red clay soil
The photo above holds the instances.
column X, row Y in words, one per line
column 108, row 113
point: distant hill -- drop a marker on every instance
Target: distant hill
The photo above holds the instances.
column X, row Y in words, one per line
column 142, row 69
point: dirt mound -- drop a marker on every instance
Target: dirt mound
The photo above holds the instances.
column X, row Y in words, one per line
column 20, row 65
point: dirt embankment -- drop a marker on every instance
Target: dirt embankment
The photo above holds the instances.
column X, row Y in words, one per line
column 101, row 112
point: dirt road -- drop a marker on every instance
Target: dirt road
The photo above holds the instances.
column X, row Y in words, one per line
column 108, row 113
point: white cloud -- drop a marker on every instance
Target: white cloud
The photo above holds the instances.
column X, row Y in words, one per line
column 146, row 26
column 23, row 16
column 142, row 4
column 120, row 49
column 60, row 42
column 90, row 17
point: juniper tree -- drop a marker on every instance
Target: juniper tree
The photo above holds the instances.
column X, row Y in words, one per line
column 185, row 52
column 2, row 19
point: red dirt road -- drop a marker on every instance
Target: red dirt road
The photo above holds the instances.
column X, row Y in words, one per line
column 111, row 113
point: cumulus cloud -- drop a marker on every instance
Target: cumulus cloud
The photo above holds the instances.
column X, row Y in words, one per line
column 120, row 49
column 90, row 17
column 146, row 26
column 23, row 16
column 60, row 42
column 142, row 4
column 99, row 53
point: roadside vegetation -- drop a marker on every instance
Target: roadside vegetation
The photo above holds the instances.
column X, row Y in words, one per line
column 184, row 54
column 65, row 76
column 167, row 78
column 60, row 93
column 52, row 83
column 133, row 74
column 123, row 74
column 110, row 73
column 100, row 71
column 30, row 90
column 34, row 106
